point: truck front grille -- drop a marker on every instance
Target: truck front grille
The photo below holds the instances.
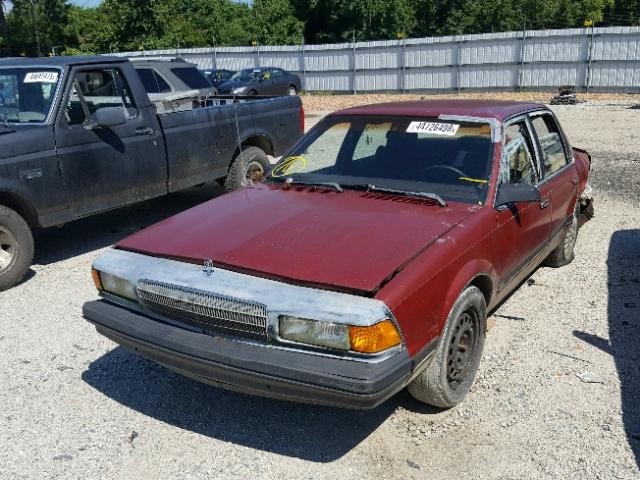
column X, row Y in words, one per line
column 214, row 314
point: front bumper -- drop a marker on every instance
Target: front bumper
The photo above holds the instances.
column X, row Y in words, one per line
column 251, row 368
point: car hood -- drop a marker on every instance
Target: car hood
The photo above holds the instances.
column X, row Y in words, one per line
column 232, row 85
column 351, row 241
column 25, row 139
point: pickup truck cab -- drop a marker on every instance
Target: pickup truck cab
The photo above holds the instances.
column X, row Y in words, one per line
column 367, row 261
column 79, row 135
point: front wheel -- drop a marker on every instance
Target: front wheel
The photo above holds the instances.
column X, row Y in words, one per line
column 248, row 167
column 292, row 91
column 451, row 371
column 16, row 248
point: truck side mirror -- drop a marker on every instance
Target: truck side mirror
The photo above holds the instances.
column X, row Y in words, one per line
column 108, row 117
column 516, row 193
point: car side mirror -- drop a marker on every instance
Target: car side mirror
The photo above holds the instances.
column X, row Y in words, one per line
column 516, row 193
column 108, row 117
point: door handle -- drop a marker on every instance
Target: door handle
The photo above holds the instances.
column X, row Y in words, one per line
column 574, row 180
column 544, row 204
column 144, row 131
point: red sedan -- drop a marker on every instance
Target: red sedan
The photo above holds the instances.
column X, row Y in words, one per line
column 366, row 262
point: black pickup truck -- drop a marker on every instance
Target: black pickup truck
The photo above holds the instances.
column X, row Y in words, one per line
column 79, row 135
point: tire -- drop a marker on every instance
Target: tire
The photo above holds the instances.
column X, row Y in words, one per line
column 253, row 93
column 247, row 168
column 447, row 379
column 16, row 248
column 564, row 253
column 292, row 91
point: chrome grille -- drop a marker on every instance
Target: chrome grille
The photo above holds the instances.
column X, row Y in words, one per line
column 212, row 313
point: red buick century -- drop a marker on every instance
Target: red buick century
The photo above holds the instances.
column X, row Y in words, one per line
column 365, row 263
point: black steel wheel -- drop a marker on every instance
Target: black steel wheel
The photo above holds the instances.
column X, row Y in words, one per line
column 452, row 368
column 464, row 342
column 564, row 253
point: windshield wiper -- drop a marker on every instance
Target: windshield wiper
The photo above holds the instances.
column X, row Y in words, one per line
column 431, row 196
column 334, row 185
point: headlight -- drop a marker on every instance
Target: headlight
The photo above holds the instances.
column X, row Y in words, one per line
column 313, row 332
column 239, row 90
column 370, row 339
column 114, row 285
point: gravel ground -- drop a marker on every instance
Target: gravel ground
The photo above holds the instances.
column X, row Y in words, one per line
column 556, row 395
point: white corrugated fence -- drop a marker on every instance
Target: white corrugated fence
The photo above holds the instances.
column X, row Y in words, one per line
column 603, row 59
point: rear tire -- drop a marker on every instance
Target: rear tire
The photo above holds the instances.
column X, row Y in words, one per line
column 564, row 253
column 452, row 369
column 292, row 90
column 247, row 168
column 16, row 248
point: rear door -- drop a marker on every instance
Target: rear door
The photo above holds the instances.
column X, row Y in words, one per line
column 559, row 174
column 523, row 228
column 105, row 167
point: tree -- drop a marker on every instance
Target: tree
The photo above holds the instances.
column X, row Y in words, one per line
column 275, row 23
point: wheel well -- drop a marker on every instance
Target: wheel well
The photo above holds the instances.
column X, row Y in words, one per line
column 259, row 141
column 485, row 285
column 21, row 207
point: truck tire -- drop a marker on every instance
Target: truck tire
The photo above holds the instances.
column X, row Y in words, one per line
column 452, row 368
column 564, row 253
column 16, row 248
column 293, row 91
column 247, row 168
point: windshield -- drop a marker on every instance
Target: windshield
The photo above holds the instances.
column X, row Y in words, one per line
column 420, row 155
column 26, row 94
column 246, row 75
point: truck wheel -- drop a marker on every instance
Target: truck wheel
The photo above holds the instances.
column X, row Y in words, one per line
column 16, row 248
column 452, row 369
column 292, row 90
column 564, row 253
column 247, row 168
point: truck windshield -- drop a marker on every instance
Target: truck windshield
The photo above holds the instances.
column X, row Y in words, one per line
column 26, row 94
column 451, row 159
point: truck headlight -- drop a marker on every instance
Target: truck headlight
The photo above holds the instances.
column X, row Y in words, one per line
column 114, row 285
column 239, row 90
column 368, row 339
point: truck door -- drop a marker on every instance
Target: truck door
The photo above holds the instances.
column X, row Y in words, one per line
column 523, row 228
column 107, row 166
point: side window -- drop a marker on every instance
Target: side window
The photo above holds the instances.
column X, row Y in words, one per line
column 99, row 88
column 277, row 72
column 553, row 153
column 191, row 77
column 152, row 82
column 517, row 164
column 372, row 140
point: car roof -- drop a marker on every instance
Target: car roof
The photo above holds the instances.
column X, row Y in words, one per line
column 497, row 109
column 58, row 61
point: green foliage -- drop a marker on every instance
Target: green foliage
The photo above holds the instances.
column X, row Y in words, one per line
column 117, row 25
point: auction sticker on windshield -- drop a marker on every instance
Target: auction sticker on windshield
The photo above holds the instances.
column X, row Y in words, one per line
column 433, row 128
column 41, row 77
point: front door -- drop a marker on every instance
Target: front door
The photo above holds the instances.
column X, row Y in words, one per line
column 523, row 228
column 106, row 167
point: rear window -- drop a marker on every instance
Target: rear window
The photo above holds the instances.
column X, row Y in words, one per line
column 191, row 77
column 152, row 82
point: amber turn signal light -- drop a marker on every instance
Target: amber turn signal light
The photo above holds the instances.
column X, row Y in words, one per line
column 96, row 278
column 375, row 338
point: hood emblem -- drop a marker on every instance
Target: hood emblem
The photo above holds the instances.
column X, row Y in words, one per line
column 208, row 267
